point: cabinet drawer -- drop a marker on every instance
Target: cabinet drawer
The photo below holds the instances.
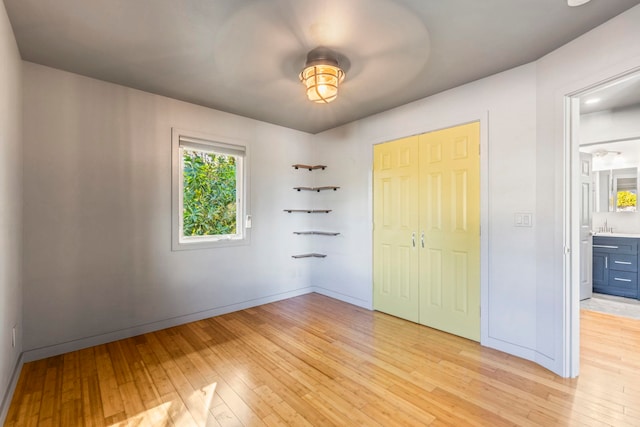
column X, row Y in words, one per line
column 623, row 279
column 623, row 262
column 620, row 245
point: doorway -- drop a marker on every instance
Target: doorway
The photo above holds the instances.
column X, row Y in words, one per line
column 604, row 130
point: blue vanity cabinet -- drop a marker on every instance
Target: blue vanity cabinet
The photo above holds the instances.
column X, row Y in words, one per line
column 600, row 269
column 615, row 266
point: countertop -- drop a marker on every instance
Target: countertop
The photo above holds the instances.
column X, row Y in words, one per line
column 631, row 235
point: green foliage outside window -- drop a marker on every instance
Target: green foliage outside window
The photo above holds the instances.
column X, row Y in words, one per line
column 209, row 194
column 626, row 200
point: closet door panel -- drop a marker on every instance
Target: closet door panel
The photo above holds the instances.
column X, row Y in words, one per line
column 450, row 220
column 395, row 212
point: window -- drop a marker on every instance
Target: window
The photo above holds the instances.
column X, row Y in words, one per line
column 208, row 192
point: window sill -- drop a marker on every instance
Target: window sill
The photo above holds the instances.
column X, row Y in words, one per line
column 177, row 245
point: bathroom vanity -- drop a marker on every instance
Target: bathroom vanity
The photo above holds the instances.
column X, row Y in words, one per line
column 615, row 264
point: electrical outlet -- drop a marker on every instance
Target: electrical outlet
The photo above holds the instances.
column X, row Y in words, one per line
column 13, row 337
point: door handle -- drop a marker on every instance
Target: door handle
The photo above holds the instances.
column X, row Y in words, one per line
column 422, row 239
column 606, row 262
column 413, row 239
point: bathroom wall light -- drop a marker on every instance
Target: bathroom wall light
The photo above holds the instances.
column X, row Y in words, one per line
column 322, row 76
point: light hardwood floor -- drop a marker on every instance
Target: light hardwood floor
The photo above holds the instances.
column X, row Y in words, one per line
column 312, row 360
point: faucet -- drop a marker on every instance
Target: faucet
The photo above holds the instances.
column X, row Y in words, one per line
column 606, row 228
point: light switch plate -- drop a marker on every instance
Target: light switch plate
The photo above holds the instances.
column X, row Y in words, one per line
column 523, row 219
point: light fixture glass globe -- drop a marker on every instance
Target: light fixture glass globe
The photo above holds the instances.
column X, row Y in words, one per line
column 322, row 82
column 321, row 76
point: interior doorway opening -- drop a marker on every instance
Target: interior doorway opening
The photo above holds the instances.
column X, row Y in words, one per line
column 603, row 134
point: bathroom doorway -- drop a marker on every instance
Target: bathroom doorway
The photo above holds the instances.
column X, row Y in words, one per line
column 604, row 129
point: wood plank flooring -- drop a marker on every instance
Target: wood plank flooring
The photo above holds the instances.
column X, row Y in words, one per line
column 315, row 361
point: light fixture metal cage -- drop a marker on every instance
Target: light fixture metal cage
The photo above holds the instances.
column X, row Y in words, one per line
column 322, row 76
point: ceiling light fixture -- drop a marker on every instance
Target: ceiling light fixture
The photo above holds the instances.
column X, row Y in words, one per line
column 602, row 153
column 592, row 101
column 322, row 76
column 576, row 2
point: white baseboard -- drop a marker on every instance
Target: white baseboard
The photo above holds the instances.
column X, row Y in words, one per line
column 509, row 348
column 342, row 297
column 79, row 344
column 8, row 395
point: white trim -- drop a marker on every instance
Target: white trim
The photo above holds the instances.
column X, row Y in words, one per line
column 11, row 388
column 79, row 344
column 485, row 214
column 571, row 293
column 199, row 141
column 343, row 297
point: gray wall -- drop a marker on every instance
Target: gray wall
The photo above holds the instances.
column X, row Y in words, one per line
column 97, row 215
column 10, row 207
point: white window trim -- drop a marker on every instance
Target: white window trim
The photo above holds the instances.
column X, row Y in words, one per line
column 199, row 141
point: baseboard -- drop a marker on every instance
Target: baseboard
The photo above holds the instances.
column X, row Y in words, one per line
column 342, row 297
column 509, row 348
column 550, row 364
column 79, row 344
column 8, row 396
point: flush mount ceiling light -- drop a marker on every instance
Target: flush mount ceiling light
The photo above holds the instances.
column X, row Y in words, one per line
column 576, row 2
column 322, row 76
column 602, row 153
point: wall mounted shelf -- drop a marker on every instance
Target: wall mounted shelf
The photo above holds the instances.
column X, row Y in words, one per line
column 318, row 189
column 312, row 211
column 308, row 210
column 317, row 233
column 312, row 255
column 310, row 167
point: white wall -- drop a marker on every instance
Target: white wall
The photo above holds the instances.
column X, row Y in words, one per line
column 505, row 104
column 610, row 125
column 97, row 217
column 98, row 263
column 524, row 294
column 607, row 51
column 10, row 209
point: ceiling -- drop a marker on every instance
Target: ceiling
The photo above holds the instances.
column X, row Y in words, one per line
column 618, row 94
column 244, row 57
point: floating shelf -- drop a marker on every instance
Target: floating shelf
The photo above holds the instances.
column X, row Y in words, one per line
column 308, row 210
column 312, row 255
column 318, row 189
column 317, row 233
column 310, row 167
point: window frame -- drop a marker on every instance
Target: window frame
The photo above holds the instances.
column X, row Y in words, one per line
column 181, row 139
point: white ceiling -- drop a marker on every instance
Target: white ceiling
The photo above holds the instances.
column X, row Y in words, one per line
column 244, row 56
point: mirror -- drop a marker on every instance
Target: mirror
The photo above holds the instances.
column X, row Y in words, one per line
column 616, row 190
column 609, row 130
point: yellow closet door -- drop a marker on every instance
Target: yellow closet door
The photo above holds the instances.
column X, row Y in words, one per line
column 450, row 221
column 395, row 213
